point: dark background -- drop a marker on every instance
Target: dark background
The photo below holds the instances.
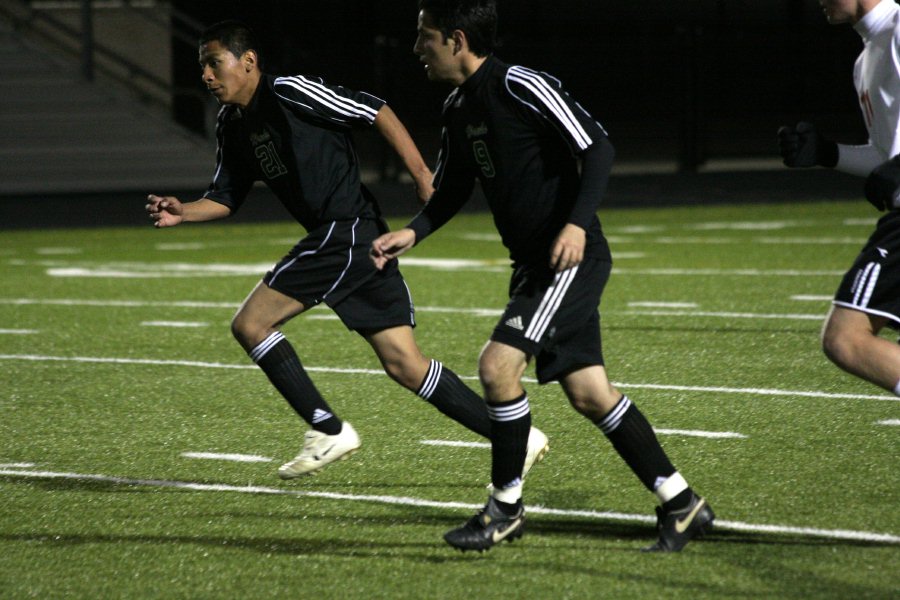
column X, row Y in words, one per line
column 686, row 81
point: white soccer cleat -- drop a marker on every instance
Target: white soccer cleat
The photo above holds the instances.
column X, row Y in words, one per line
column 319, row 450
column 538, row 446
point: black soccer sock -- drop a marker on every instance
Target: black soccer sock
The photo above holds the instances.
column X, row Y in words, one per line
column 633, row 438
column 276, row 357
column 510, row 425
column 444, row 390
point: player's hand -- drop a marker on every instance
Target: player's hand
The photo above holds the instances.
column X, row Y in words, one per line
column 568, row 248
column 803, row 147
column 391, row 245
column 165, row 211
column 883, row 184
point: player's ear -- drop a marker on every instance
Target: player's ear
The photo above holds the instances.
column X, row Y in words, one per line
column 249, row 60
column 458, row 41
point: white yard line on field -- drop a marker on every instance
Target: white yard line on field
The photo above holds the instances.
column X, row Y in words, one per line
column 867, row 222
column 702, row 434
column 744, row 225
column 842, row 534
column 718, row 315
column 499, row 265
column 735, row 272
column 811, row 298
column 181, row 246
column 716, row 435
column 770, row 241
column 116, row 303
column 174, row 324
column 111, row 273
column 480, row 237
column 804, row 241
column 662, row 305
column 655, row 386
column 675, row 240
column 756, row 391
column 226, row 456
column 476, row 312
column 456, row 444
column 57, row 251
column 18, row 331
column 891, row 422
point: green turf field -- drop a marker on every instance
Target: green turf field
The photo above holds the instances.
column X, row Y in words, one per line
column 118, row 374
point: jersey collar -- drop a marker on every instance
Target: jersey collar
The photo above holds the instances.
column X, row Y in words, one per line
column 478, row 76
column 253, row 106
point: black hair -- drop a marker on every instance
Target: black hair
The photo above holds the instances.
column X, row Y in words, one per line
column 476, row 18
column 234, row 35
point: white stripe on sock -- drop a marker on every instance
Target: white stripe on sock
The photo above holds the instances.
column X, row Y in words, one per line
column 508, row 413
column 432, row 377
column 264, row 346
column 613, row 419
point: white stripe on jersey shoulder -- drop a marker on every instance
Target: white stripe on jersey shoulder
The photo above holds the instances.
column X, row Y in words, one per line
column 227, row 112
column 325, row 96
column 451, row 98
column 537, row 85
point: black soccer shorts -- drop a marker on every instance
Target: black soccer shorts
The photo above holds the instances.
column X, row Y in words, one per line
column 554, row 316
column 872, row 285
column 332, row 265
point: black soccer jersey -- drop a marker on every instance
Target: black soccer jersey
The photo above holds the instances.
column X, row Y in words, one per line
column 517, row 132
column 295, row 136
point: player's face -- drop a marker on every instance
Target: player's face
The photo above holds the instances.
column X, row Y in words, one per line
column 842, row 11
column 227, row 77
column 437, row 54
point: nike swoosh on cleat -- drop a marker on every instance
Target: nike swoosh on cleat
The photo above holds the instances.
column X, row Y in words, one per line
column 499, row 536
column 325, row 453
column 681, row 525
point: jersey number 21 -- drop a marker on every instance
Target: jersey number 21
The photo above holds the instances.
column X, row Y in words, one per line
column 269, row 161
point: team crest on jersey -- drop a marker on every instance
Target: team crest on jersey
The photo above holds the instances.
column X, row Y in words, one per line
column 259, row 138
column 476, row 131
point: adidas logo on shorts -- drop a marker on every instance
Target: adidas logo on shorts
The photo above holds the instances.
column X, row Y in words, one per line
column 515, row 323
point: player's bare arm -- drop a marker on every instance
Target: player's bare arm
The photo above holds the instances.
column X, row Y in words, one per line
column 391, row 245
column 568, row 248
column 396, row 135
column 168, row 211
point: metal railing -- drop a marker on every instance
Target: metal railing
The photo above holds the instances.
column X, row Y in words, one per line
column 38, row 18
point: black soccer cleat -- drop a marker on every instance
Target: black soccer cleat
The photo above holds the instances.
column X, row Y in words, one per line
column 490, row 526
column 678, row 527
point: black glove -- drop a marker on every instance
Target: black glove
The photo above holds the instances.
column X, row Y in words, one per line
column 802, row 146
column 882, row 184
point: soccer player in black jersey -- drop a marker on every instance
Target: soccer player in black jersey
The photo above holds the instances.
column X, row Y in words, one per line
column 522, row 137
column 293, row 133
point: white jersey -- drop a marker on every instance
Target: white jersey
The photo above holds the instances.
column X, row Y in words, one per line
column 876, row 77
